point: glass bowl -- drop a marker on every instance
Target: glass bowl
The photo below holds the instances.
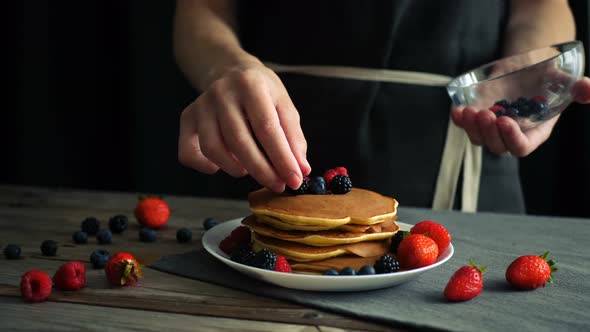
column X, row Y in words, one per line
column 531, row 87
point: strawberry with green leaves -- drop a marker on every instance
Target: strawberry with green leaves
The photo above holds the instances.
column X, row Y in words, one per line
column 435, row 231
column 530, row 271
column 466, row 283
column 123, row 269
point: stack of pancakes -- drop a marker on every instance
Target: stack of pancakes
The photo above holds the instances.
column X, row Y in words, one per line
column 319, row 232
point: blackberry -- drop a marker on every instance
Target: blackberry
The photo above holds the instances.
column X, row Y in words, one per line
column 386, row 264
column 243, row 255
column 90, row 225
column 80, row 237
column 514, row 112
column 184, row 235
column 504, row 103
column 99, row 258
column 331, row 272
column 340, row 184
column 347, row 271
column 265, row 259
column 49, row 248
column 539, row 108
column 209, row 223
column 12, row 251
column 317, row 185
column 118, row 223
column 104, row 236
column 147, row 235
column 395, row 241
column 367, row 270
column 303, row 189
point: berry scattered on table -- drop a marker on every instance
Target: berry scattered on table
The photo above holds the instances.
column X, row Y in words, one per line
column 243, row 255
column 210, row 223
column 184, row 235
column 49, row 248
column 118, row 223
column 435, row 231
column 396, row 240
column 367, row 270
column 416, row 251
column 340, row 184
column 147, row 234
column 152, row 212
column 530, row 272
column 317, row 186
column 80, row 237
column 386, row 264
column 282, row 265
column 35, row 286
column 90, row 225
column 303, row 189
column 123, row 269
column 331, row 272
column 347, row 271
column 104, row 236
column 12, row 251
column 70, row 276
column 265, row 259
column 466, row 283
column 99, row 258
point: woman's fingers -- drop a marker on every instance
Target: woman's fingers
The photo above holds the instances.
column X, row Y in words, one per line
column 582, row 91
column 490, row 136
column 470, row 125
column 290, row 122
column 189, row 147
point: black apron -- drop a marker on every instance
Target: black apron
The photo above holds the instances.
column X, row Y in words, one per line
column 390, row 136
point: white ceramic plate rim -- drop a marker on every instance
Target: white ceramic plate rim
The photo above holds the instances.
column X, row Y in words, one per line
column 213, row 237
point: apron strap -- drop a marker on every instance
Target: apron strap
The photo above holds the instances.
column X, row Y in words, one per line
column 458, row 150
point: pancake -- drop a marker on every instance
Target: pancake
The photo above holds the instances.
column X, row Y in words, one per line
column 322, row 238
column 305, row 253
column 337, row 263
column 286, row 225
column 359, row 206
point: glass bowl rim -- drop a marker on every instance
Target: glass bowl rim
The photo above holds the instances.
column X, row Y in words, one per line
column 576, row 44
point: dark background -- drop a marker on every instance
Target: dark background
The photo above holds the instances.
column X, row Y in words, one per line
column 94, row 98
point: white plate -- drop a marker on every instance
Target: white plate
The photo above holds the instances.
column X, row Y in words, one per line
column 215, row 235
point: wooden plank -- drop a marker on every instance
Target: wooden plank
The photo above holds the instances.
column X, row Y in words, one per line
column 55, row 316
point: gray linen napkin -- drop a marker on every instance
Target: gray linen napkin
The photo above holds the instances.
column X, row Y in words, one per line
column 494, row 240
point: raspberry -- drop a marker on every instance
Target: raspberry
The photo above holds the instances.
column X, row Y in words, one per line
column 70, row 276
column 35, row 286
column 329, row 175
column 341, row 171
column 282, row 265
column 265, row 259
column 241, row 235
column 496, row 108
column 340, row 184
column 302, row 189
column 386, row 264
column 228, row 245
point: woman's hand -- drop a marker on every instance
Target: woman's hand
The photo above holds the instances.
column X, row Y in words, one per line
column 245, row 123
column 502, row 134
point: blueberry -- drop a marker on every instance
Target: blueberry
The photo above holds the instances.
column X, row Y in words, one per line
column 347, row 271
column 514, row 112
column 184, row 235
column 49, row 248
column 331, row 272
column 80, row 237
column 118, row 223
column 209, row 223
column 317, row 185
column 539, row 108
column 147, row 235
column 104, row 236
column 99, row 258
column 367, row 270
column 90, row 225
column 12, row 251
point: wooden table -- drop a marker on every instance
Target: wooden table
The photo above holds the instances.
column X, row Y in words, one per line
column 161, row 301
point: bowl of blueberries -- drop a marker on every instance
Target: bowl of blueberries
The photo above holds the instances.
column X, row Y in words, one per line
column 530, row 87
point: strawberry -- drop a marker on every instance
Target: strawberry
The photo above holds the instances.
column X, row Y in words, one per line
column 416, row 250
column 152, row 212
column 435, row 231
column 35, row 286
column 466, row 283
column 123, row 269
column 282, row 265
column 70, row 276
column 530, row 272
